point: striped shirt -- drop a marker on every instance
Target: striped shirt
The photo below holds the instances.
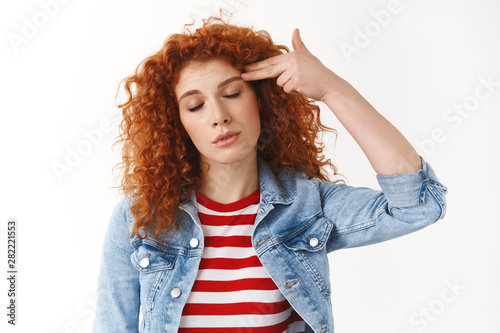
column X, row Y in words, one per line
column 233, row 292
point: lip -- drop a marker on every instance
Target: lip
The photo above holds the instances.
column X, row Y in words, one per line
column 233, row 137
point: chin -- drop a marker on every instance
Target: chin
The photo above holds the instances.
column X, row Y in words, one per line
column 230, row 157
column 231, row 160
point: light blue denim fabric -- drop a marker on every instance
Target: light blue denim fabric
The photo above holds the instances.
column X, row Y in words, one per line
column 300, row 220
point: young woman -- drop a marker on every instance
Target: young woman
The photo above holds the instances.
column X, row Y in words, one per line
column 229, row 213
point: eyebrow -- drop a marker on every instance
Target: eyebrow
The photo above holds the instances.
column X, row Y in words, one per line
column 223, row 83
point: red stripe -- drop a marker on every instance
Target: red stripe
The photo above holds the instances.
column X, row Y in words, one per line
column 236, row 309
column 247, row 308
column 294, row 316
column 218, row 220
column 266, row 329
column 253, row 198
column 227, row 263
column 234, row 285
column 233, row 241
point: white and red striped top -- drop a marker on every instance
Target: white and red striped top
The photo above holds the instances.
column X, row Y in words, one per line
column 233, row 292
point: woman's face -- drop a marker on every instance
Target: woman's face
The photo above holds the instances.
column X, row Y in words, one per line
column 219, row 111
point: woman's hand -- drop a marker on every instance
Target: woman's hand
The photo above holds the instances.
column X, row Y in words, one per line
column 298, row 72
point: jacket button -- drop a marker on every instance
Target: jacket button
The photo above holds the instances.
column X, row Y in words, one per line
column 313, row 241
column 261, row 211
column 176, row 292
column 144, row 262
column 194, row 242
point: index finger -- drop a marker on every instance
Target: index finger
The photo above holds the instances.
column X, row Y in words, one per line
column 264, row 63
column 270, row 67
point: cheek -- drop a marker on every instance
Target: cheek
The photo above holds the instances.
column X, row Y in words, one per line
column 188, row 126
column 193, row 129
column 255, row 114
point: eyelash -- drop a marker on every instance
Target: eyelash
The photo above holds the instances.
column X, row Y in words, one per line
column 233, row 95
column 227, row 96
column 196, row 107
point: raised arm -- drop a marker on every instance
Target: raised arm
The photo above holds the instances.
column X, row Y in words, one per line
column 300, row 72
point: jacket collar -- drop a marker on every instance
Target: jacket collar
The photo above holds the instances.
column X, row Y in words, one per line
column 271, row 190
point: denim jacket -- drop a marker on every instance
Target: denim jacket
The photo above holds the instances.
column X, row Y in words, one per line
column 143, row 286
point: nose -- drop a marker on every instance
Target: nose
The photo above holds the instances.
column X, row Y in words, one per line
column 224, row 121
column 220, row 115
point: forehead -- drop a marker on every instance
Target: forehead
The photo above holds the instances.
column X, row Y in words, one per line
column 198, row 74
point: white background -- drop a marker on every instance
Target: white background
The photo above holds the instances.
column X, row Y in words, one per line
column 59, row 80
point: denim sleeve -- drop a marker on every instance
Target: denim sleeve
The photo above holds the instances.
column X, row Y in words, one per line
column 118, row 299
column 362, row 216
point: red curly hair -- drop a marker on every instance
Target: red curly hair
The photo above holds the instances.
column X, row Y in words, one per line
column 161, row 166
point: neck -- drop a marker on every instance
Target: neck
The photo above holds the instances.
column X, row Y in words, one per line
column 226, row 183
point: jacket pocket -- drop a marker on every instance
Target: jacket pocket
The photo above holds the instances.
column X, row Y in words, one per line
column 307, row 245
column 155, row 267
column 147, row 259
column 311, row 236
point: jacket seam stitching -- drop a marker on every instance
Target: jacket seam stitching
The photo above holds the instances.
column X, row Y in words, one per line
column 301, row 284
column 439, row 201
column 354, row 228
column 299, row 230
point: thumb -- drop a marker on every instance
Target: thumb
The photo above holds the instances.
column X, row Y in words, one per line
column 297, row 42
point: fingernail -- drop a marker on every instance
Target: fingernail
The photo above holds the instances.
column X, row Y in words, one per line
column 245, row 75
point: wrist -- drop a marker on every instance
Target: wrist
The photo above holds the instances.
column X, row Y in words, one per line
column 336, row 89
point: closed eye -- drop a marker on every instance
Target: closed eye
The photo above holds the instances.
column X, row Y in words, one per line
column 233, row 95
column 197, row 107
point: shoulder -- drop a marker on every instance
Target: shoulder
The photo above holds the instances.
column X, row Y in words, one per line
column 287, row 184
column 121, row 217
column 122, row 207
column 296, row 182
